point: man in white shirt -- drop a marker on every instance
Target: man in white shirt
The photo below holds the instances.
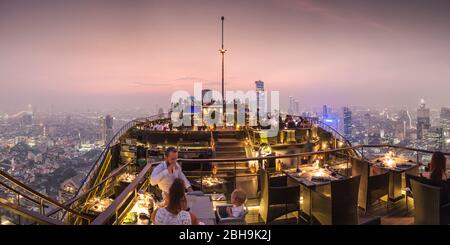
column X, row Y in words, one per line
column 167, row 171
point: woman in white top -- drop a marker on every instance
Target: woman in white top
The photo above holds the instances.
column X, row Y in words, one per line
column 174, row 213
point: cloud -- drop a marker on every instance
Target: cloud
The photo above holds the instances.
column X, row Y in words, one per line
column 173, row 82
column 313, row 7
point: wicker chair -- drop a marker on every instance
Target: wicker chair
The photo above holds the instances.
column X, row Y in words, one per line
column 428, row 209
column 222, row 220
column 408, row 191
column 339, row 208
column 372, row 188
column 276, row 197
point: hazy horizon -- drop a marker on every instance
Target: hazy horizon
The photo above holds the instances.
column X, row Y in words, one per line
column 118, row 54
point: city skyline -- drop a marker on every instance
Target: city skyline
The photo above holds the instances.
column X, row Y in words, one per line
column 117, row 55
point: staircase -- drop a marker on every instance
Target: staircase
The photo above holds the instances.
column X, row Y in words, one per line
column 228, row 146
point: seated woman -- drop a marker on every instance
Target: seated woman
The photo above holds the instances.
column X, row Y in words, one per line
column 175, row 212
column 437, row 168
column 437, row 175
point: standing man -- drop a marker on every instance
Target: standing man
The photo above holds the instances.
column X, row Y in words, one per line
column 167, row 171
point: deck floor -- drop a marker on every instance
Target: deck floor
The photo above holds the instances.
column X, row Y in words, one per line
column 396, row 214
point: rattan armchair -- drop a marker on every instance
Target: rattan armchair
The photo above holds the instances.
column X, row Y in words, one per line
column 341, row 206
column 276, row 197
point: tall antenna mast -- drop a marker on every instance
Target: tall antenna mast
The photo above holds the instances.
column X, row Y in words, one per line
column 222, row 51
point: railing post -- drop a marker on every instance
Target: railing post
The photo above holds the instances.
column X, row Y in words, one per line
column 362, row 152
column 42, row 207
column 18, row 204
column 201, row 175
column 235, row 176
column 418, row 158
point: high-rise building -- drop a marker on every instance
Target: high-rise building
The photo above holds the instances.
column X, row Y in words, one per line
column 423, row 119
column 207, row 97
column 291, row 106
column 109, row 120
column 101, row 125
column 106, row 128
column 347, row 123
column 325, row 111
column 434, row 138
column 403, row 125
column 445, row 125
column 260, row 99
column 294, row 107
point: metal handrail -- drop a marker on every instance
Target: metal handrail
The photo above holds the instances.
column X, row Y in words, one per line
column 241, row 159
column 39, row 195
column 123, row 196
column 23, row 212
column 115, row 138
column 77, row 198
column 324, row 125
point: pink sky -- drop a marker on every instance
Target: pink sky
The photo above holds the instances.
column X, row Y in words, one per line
column 109, row 53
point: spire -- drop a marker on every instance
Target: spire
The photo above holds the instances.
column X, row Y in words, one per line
column 222, row 51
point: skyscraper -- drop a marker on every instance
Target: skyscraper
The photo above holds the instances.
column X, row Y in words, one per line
column 434, row 138
column 291, row 106
column 101, row 125
column 423, row 119
column 445, row 125
column 260, row 99
column 347, row 123
column 325, row 112
column 207, row 97
column 106, row 128
column 109, row 127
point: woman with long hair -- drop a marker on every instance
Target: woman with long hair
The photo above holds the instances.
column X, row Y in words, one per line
column 175, row 212
column 437, row 168
column 437, row 175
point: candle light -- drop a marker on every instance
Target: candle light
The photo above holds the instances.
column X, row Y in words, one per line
column 214, row 170
column 278, row 166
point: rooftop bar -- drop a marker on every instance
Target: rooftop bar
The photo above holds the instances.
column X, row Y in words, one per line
column 307, row 174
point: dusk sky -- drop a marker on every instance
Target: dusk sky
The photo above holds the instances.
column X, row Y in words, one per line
column 111, row 54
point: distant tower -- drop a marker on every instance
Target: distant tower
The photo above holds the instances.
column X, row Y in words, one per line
column 445, row 125
column 207, row 97
column 325, row 111
column 222, row 51
column 109, row 120
column 423, row 119
column 291, row 106
column 260, row 99
column 347, row 123
column 296, row 107
column 106, row 128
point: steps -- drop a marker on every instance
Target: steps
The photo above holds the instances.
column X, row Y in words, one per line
column 228, row 146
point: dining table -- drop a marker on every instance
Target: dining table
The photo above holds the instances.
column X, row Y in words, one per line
column 202, row 207
column 310, row 178
column 397, row 167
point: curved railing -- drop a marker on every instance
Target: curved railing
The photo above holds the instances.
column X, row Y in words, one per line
column 241, row 159
column 114, row 139
column 327, row 127
column 22, row 212
column 23, row 190
column 114, row 173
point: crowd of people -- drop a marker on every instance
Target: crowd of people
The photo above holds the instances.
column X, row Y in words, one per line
column 158, row 126
column 291, row 122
